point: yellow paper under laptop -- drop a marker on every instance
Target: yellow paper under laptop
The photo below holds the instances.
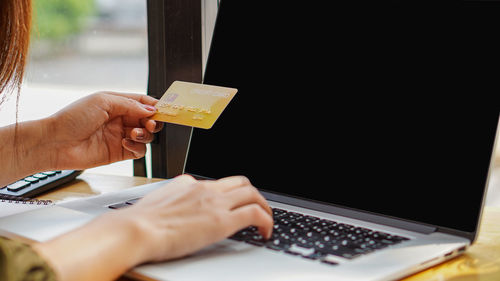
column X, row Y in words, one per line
column 192, row 104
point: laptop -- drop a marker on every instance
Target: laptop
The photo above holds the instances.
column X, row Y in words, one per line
column 371, row 172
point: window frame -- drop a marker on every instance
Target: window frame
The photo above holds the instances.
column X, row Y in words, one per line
column 174, row 53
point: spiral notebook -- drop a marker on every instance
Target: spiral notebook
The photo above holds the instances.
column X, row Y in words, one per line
column 10, row 205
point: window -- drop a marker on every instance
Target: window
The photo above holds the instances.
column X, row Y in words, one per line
column 80, row 47
column 209, row 14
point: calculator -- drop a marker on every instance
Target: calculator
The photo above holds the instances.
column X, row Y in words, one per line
column 39, row 183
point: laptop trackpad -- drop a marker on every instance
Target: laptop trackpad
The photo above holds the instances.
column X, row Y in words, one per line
column 44, row 224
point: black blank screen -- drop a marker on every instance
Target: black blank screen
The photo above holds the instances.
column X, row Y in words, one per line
column 357, row 114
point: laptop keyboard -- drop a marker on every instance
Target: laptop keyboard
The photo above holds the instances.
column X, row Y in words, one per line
column 318, row 239
column 312, row 237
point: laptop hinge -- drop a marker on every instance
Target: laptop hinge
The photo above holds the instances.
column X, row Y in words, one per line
column 346, row 212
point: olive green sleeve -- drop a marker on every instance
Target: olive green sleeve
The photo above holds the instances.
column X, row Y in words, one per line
column 19, row 262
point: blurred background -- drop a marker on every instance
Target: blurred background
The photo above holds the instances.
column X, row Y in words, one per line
column 100, row 44
column 83, row 46
column 79, row 47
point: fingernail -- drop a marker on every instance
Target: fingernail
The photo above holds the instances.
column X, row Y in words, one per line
column 149, row 107
column 139, row 134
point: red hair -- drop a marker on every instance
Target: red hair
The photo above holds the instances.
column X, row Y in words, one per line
column 15, row 26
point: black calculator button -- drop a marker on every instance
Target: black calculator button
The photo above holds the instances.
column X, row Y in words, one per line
column 40, row 176
column 49, row 173
column 18, row 185
column 31, row 179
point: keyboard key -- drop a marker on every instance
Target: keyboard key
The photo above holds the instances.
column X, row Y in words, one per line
column 273, row 247
column 133, row 201
column 49, row 173
column 301, row 250
column 255, row 242
column 330, row 260
column 118, row 205
column 314, row 256
column 292, row 253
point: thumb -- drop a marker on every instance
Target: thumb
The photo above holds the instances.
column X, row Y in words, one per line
column 117, row 105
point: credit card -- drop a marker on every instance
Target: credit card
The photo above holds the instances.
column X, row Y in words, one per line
column 193, row 104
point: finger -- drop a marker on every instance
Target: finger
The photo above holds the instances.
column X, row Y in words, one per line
column 227, row 184
column 139, row 135
column 144, row 99
column 184, row 178
column 129, row 108
column 254, row 215
column 152, row 125
column 133, row 150
column 247, row 195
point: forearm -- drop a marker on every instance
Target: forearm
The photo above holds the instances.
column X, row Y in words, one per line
column 102, row 250
column 24, row 152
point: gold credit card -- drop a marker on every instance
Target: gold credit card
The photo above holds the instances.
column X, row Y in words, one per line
column 193, row 104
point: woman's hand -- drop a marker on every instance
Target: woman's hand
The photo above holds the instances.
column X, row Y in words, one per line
column 178, row 219
column 100, row 129
column 187, row 215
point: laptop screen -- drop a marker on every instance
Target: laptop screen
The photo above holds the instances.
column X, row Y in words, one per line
column 344, row 115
